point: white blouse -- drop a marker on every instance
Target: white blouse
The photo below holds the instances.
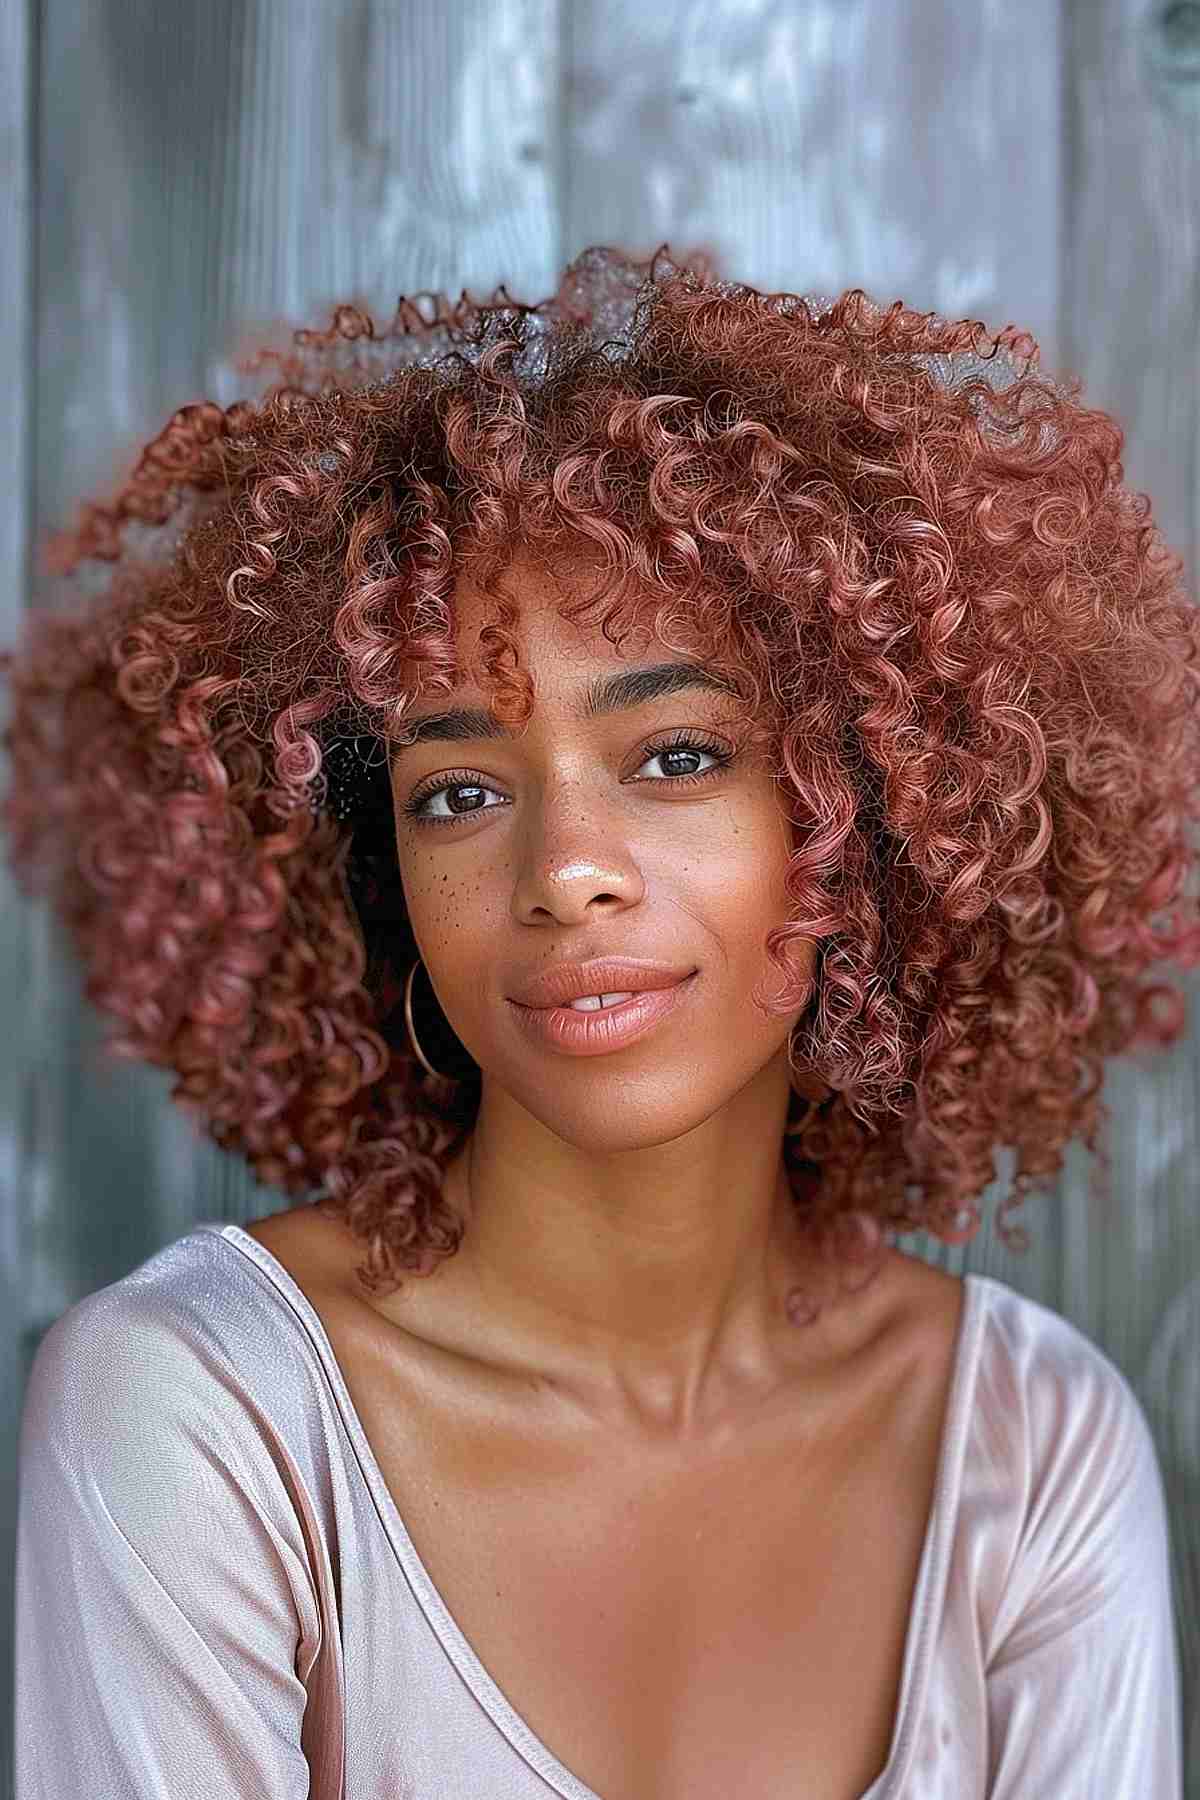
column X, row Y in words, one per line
column 216, row 1596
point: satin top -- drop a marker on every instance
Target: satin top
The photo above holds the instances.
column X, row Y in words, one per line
column 216, row 1595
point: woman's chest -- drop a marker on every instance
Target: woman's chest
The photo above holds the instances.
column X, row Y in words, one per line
column 704, row 1641
column 734, row 1627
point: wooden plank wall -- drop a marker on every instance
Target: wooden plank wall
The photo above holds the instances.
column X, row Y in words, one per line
column 16, row 986
column 173, row 174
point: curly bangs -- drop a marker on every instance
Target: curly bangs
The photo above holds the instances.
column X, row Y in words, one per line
column 961, row 637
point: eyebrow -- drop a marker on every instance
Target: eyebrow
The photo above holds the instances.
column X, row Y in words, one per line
column 607, row 694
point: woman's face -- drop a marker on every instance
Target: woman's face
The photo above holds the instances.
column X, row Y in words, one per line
column 577, row 838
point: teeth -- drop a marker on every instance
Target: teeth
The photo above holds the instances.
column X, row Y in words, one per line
column 594, row 1002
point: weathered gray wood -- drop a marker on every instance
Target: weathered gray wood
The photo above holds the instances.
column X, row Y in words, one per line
column 909, row 148
column 16, row 309
column 1131, row 328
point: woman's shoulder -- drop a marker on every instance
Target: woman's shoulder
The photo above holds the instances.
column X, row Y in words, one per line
column 193, row 1331
column 1059, row 1396
column 1045, row 1398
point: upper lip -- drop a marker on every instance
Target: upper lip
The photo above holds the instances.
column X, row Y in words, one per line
column 602, row 975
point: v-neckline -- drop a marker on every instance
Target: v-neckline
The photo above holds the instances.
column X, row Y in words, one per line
column 927, row 1593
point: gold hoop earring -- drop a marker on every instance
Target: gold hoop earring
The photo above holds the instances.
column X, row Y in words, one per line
column 412, row 1036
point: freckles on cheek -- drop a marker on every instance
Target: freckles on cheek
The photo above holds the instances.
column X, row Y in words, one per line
column 458, row 918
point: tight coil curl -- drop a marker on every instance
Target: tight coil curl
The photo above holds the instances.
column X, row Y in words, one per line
column 960, row 635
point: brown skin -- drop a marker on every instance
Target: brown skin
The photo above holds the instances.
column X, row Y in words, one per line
column 630, row 1238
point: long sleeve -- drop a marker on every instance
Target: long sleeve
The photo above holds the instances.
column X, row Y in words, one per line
column 161, row 1609
column 1083, row 1691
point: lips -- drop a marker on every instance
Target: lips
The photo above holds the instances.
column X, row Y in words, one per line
column 604, row 1031
column 565, row 982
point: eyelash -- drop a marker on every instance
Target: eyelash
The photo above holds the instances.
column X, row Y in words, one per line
column 682, row 740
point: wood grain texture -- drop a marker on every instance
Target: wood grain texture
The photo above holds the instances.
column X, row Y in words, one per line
column 910, row 148
column 177, row 177
column 17, row 299
column 1131, row 329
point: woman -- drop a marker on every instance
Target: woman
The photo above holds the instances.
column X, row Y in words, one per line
column 633, row 799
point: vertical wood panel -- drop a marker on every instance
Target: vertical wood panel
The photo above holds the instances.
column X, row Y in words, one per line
column 911, row 147
column 1131, row 328
column 17, row 29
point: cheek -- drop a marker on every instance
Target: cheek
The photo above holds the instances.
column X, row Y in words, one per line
column 428, row 901
column 738, row 903
column 739, row 894
column 745, row 871
column 453, row 919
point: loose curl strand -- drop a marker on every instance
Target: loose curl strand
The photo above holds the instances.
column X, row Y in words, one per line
column 959, row 636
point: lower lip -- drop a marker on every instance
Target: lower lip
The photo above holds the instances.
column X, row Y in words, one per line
column 610, row 1028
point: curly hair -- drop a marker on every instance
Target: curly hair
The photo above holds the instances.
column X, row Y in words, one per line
column 960, row 636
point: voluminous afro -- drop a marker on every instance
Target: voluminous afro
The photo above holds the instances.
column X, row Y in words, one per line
column 960, row 636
